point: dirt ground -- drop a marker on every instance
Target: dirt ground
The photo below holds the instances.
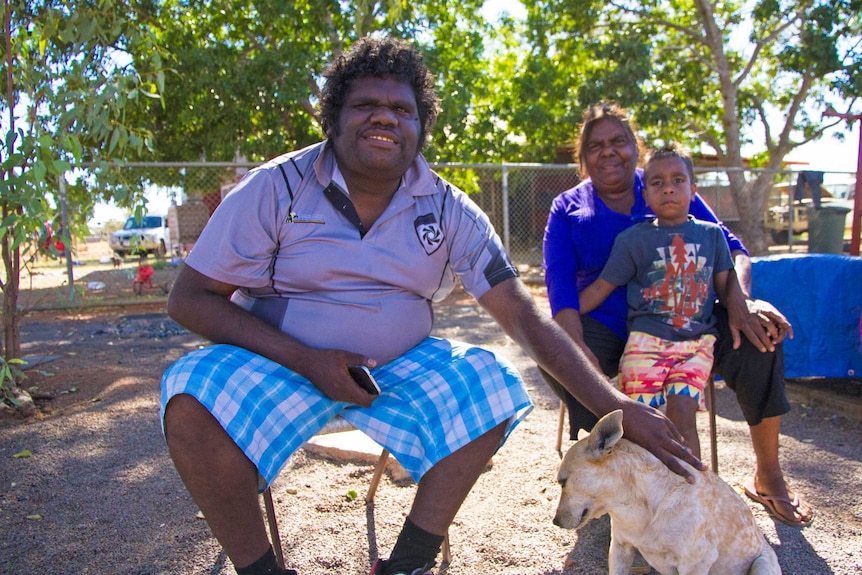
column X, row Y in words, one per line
column 87, row 487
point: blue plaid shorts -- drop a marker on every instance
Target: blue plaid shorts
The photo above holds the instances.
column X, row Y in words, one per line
column 435, row 399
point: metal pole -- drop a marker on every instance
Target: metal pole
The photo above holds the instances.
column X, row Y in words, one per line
column 67, row 250
column 505, row 200
column 857, row 200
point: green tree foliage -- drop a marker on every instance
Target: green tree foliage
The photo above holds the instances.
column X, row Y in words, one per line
column 713, row 75
column 245, row 77
column 66, row 92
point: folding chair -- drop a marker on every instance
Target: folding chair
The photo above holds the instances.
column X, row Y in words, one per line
column 713, row 433
column 337, row 425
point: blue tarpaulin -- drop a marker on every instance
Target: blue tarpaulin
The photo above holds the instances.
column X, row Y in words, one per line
column 821, row 296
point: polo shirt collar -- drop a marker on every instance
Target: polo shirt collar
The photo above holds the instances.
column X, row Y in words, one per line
column 418, row 178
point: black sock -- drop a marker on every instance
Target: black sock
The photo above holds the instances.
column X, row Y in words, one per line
column 266, row 565
column 415, row 549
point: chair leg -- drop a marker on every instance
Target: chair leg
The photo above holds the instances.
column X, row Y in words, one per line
column 560, row 425
column 445, row 550
column 273, row 527
column 378, row 474
column 713, row 436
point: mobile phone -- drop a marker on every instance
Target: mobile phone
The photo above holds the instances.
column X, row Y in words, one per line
column 362, row 376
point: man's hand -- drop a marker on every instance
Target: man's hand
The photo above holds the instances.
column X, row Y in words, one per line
column 327, row 370
column 762, row 324
column 647, row 427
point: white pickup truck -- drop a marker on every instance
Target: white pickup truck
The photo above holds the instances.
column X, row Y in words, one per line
column 148, row 235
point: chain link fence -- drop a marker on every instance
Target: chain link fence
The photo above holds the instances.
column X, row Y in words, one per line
column 516, row 197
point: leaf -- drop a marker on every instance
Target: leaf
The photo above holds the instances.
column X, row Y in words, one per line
column 23, row 454
column 115, row 138
column 352, row 495
column 35, row 517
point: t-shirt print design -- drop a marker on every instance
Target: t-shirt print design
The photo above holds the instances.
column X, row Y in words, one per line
column 680, row 283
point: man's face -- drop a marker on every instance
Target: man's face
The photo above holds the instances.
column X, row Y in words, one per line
column 610, row 156
column 378, row 129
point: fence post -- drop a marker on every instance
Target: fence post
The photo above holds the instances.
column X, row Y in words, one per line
column 67, row 250
column 505, row 200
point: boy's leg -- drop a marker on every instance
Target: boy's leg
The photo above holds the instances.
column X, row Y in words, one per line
column 682, row 411
column 684, row 388
column 643, row 369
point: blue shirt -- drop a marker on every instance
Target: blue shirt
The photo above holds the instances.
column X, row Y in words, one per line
column 579, row 236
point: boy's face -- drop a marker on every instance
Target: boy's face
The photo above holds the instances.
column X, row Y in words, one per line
column 668, row 190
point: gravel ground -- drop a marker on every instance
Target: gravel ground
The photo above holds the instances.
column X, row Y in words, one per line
column 88, row 487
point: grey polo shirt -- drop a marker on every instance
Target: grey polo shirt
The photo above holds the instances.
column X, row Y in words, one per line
column 289, row 238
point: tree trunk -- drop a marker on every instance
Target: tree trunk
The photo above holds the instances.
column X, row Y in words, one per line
column 11, row 346
column 748, row 199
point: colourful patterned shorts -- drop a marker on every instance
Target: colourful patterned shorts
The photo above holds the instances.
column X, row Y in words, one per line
column 652, row 368
column 435, row 399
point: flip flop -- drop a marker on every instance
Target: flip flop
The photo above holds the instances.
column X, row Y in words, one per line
column 769, row 503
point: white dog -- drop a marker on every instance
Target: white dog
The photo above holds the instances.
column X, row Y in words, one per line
column 679, row 528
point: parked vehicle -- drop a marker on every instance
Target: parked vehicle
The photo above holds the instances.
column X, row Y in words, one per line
column 778, row 218
column 148, row 235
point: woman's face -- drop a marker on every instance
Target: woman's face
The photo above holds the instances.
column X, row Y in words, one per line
column 610, row 157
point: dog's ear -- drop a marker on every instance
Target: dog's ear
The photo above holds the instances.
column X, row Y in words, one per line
column 605, row 434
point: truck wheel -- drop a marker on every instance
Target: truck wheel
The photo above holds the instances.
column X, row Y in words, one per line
column 161, row 250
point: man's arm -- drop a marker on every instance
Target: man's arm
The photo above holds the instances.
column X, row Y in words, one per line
column 512, row 306
column 570, row 320
column 202, row 305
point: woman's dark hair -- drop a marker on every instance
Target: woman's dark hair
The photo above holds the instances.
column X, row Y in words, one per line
column 592, row 115
column 378, row 58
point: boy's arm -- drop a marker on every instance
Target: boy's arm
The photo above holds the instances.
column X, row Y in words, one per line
column 594, row 294
column 719, row 283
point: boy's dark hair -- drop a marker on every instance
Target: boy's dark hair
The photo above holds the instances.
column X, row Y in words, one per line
column 378, row 58
column 672, row 151
column 601, row 111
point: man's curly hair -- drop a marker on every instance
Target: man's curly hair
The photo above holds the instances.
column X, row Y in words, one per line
column 378, row 58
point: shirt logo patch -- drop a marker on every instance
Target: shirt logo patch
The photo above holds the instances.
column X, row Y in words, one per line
column 429, row 233
column 295, row 218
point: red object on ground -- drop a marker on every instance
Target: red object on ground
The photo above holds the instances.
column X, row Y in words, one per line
column 145, row 276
